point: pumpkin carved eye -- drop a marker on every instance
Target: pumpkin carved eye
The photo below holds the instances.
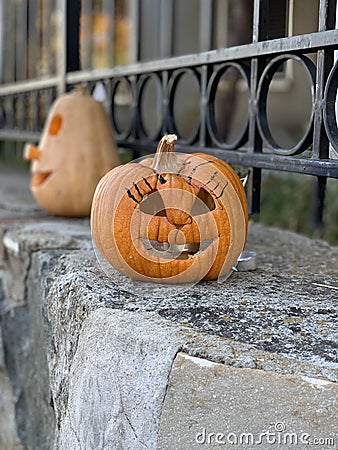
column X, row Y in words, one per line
column 55, row 125
column 153, row 204
column 204, row 203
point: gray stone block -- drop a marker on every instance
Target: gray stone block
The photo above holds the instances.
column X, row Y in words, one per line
column 25, row 337
column 9, row 439
column 210, row 405
column 19, row 242
column 117, row 382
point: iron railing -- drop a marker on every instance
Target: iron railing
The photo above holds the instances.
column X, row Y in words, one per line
column 257, row 64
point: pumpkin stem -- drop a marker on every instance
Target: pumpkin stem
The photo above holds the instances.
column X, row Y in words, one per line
column 81, row 89
column 167, row 143
column 165, row 159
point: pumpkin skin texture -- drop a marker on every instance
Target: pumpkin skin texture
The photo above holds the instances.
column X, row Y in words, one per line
column 171, row 218
column 76, row 149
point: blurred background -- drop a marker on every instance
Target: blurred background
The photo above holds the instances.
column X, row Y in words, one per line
column 119, row 32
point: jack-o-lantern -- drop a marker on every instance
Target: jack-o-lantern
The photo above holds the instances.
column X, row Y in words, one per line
column 173, row 218
column 76, row 149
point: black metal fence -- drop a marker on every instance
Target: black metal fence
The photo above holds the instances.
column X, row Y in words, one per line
column 257, row 63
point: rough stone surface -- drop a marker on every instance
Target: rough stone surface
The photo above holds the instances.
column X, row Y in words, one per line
column 253, row 310
column 82, row 288
column 117, row 382
column 287, row 306
column 211, row 405
column 75, row 339
column 9, row 439
column 19, row 242
column 24, row 340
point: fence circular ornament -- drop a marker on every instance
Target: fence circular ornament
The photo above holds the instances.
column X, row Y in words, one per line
column 121, row 99
column 173, row 84
column 330, row 115
column 142, row 84
column 2, row 115
column 172, row 219
column 211, row 116
column 262, row 94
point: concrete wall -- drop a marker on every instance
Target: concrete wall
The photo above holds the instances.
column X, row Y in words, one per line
column 87, row 365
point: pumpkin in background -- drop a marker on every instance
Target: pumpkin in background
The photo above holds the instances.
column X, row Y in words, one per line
column 172, row 218
column 76, row 149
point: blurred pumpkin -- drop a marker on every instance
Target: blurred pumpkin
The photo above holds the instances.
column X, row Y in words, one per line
column 172, row 218
column 76, row 149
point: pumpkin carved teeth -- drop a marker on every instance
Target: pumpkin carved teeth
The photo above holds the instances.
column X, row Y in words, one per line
column 176, row 251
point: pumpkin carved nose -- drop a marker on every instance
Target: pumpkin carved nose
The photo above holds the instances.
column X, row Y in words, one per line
column 178, row 217
column 31, row 152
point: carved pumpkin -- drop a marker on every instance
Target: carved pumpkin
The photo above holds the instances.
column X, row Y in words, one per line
column 172, row 218
column 76, row 149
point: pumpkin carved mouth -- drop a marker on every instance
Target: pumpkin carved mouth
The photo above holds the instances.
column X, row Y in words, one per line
column 176, row 251
column 40, row 177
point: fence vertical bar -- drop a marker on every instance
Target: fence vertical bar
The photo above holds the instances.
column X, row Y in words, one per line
column 108, row 11
column 317, row 205
column 165, row 101
column 324, row 64
column 86, row 47
column 259, row 32
column 21, row 40
column 61, row 55
column 205, row 25
column 203, row 106
column 320, row 144
column 134, row 12
column 166, row 16
column 73, row 13
column 8, row 48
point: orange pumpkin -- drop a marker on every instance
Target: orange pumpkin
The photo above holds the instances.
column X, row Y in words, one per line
column 76, row 149
column 172, row 218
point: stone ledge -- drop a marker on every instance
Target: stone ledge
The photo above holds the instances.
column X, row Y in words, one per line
column 286, row 307
column 75, row 342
